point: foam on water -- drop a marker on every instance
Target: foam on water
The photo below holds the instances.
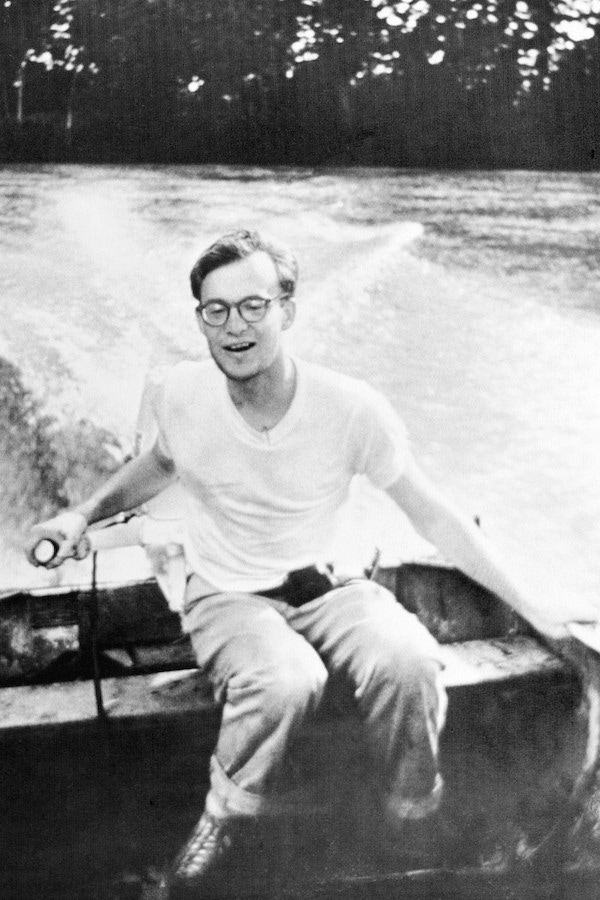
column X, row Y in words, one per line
column 108, row 296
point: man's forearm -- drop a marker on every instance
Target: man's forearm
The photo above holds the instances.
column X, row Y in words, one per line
column 137, row 482
column 463, row 544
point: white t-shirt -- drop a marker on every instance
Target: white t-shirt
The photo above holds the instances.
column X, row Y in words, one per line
column 260, row 504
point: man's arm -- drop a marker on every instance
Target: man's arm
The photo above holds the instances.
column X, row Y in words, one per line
column 460, row 540
column 136, row 482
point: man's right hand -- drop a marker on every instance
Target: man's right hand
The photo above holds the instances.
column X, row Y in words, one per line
column 65, row 531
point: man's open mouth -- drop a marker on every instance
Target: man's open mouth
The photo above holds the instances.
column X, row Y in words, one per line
column 239, row 348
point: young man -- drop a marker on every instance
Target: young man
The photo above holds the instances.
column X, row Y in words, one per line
column 265, row 447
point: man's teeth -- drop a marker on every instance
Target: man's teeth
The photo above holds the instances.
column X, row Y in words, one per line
column 238, row 348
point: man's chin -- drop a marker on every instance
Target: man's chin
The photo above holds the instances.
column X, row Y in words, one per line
column 236, row 371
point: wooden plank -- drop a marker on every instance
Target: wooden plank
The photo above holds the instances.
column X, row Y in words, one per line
column 38, row 627
column 185, row 691
column 499, row 659
column 128, row 612
column 124, row 698
column 177, row 655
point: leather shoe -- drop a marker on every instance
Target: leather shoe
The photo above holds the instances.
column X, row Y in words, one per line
column 202, row 862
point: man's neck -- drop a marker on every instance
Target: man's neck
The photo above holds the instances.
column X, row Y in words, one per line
column 265, row 399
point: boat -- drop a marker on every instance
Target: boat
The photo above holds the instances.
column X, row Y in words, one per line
column 107, row 728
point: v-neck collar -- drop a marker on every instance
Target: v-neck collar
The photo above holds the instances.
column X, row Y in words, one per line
column 268, row 437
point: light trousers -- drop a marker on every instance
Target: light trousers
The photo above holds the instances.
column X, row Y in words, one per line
column 269, row 664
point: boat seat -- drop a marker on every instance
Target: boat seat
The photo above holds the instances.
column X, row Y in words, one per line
column 468, row 664
column 494, row 660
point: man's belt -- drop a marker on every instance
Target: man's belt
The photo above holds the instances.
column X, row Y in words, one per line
column 303, row 585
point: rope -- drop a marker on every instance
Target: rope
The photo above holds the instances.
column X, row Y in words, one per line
column 93, row 619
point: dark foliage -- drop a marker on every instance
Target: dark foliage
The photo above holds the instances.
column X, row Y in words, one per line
column 45, row 465
column 300, row 82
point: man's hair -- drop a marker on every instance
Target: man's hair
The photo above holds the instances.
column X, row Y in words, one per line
column 239, row 245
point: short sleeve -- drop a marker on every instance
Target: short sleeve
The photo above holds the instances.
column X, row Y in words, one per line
column 151, row 426
column 378, row 439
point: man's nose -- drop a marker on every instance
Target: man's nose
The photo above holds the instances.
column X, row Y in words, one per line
column 235, row 323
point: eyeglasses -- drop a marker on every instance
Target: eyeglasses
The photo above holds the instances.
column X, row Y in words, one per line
column 251, row 309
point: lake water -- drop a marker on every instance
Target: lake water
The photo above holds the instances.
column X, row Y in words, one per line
column 471, row 299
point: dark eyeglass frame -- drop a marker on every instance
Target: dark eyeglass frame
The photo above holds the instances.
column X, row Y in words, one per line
column 241, row 307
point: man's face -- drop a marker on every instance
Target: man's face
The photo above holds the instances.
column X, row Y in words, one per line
column 242, row 349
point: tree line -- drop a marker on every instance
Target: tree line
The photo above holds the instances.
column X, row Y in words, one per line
column 496, row 83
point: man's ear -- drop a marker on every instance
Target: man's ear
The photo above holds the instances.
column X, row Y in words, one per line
column 289, row 313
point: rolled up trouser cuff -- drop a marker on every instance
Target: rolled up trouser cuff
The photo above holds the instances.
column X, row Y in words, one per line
column 226, row 799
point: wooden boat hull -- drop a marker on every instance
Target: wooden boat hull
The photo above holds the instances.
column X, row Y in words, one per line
column 93, row 806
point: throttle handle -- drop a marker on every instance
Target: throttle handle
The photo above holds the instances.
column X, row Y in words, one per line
column 46, row 550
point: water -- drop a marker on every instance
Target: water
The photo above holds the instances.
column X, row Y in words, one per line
column 471, row 300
